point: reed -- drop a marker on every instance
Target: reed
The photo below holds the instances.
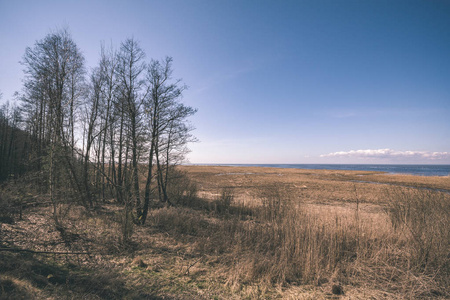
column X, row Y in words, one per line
column 404, row 251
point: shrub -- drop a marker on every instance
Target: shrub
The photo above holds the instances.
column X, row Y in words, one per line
column 179, row 220
column 180, row 189
column 6, row 208
column 223, row 202
column 127, row 224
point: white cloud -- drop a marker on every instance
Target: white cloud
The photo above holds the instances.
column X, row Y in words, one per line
column 390, row 154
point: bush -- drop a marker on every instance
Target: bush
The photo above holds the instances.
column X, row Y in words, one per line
column 179, row 220
column 180, row 189
column 223, row 202
column 6, row 209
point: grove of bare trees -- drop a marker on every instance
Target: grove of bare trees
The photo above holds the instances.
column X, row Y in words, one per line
column 114, row 132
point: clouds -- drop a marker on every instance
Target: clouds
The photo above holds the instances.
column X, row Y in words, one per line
column 391, row 155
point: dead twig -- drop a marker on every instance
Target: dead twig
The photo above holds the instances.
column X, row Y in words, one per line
column 189, row 267
column 43, row 252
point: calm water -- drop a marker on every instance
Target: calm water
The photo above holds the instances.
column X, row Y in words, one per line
column 423, row 170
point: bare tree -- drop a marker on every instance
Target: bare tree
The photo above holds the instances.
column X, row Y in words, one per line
column 165, row 116
column 92, row 109
column 108, row 65
column 54, row 69
column 129, row 71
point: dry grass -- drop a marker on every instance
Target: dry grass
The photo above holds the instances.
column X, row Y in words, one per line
column 316, row 186
column 251, row 233
column 423, row 218
column 396, row 241
column 289, row 243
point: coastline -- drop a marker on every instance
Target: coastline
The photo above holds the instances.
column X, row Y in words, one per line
column 406, row 169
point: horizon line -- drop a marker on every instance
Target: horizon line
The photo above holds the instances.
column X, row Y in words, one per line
column 399, row 164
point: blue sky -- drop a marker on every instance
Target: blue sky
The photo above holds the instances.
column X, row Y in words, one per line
column 276, row 81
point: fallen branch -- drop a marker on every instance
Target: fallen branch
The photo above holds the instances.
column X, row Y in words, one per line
column 189, row 267
column 43, row 252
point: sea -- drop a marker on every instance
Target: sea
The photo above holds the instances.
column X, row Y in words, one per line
column 421, row 170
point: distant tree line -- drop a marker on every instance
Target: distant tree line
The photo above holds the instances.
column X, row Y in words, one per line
column 116, row 131
column 13, row 143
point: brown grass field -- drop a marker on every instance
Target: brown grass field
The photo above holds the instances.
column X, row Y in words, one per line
column 245, row 233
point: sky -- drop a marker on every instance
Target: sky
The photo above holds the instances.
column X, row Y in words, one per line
column 319, row 81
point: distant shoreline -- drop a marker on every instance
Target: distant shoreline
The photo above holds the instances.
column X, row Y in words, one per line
column 261, row 176
column 416, row 169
